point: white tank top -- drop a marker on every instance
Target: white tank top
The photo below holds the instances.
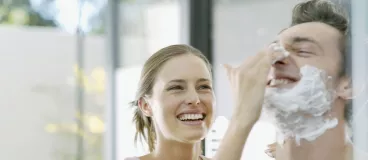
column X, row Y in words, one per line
column 136, row 158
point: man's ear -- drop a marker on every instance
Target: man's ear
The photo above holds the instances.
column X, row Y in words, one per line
column 344, row 90
column 145, row 107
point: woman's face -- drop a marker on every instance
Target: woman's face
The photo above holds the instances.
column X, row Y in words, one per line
column 182, row 99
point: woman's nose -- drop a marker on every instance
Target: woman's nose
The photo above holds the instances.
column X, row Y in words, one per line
column 192, row 98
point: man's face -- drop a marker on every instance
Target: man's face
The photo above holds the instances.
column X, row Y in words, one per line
column 312, row 43
column 299, row 111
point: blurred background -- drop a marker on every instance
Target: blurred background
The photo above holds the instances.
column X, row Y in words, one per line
column 70, row 67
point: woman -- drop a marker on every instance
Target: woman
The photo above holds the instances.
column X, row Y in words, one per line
column 175, row 102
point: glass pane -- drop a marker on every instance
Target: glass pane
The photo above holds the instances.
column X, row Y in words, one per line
column 39, row 95
column 36, row 94
column 146, row 27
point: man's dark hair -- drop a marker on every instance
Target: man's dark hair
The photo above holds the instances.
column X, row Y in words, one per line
column 333, row 15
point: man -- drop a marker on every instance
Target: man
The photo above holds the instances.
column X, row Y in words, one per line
column 318, row 37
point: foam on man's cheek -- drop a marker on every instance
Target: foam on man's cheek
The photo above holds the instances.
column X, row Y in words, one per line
column 302, row 112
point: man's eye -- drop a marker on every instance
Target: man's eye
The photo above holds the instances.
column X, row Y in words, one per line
column 303, row 53
column 175, row 88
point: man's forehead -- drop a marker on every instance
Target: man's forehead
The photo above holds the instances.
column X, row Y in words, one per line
column 312, row 30
column 282, row 31
column 291, row 32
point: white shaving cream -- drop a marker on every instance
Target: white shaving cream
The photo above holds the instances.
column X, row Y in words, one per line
column 301, row 112
column 279, row 48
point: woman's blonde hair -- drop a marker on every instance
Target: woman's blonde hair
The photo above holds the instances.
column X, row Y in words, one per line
column 144, row 125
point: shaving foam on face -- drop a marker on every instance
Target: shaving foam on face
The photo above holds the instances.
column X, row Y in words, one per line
column 301, row 112
column 279, row 48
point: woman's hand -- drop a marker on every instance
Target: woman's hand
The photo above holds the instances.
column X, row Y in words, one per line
column 248, row 82
column 271, row 150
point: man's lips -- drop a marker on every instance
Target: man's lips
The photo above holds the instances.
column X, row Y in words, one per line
column 281, row 82
column 280, row 78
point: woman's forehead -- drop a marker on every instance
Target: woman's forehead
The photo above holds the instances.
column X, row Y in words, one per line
column 186, row 67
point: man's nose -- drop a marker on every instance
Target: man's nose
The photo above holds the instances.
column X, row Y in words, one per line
column 287, row 61
column 286, row 65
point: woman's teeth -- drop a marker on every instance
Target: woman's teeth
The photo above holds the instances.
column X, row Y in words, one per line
column 191, row 117
column 279, row 82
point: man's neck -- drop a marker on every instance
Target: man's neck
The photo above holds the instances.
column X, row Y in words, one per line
column 331, row 145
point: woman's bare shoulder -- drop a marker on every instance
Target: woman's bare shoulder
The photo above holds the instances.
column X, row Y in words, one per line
column 131, row 158
column 205, row 158
column 137, row 158
column 144, row 157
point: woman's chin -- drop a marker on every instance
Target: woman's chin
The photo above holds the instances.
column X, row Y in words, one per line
column 193, row 136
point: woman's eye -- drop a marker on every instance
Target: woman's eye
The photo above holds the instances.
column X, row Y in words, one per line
column 205, row 87
column 175, row 88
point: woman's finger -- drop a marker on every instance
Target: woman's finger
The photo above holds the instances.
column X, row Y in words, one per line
column 228, row 69
column 265, row 63
column 251, row 61
column 270, row 153
column 272, row 146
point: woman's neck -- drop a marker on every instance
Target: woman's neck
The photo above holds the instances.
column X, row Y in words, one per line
column 170, row 149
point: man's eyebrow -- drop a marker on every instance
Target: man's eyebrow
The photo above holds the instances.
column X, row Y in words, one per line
column 282, row 30
column 299, row 39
